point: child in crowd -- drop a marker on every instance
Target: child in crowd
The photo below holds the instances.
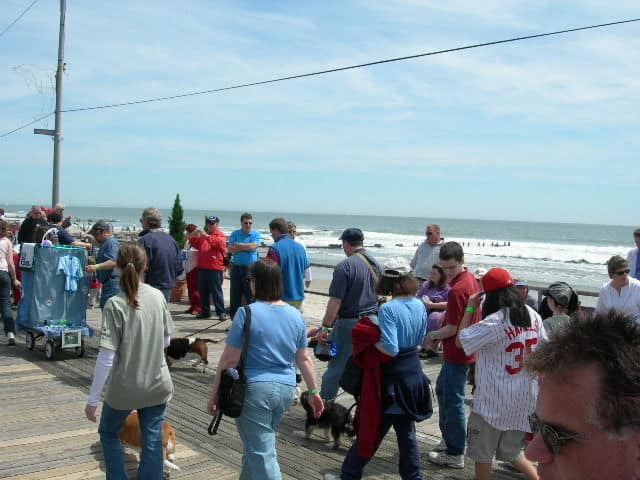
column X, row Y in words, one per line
column 94, row 286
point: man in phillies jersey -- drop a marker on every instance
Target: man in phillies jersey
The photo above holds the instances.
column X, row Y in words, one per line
column 451, row 380
column 505, row 393
column 587, row 418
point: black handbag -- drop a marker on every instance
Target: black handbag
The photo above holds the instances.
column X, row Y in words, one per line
column 351, row 378
column 233, row 383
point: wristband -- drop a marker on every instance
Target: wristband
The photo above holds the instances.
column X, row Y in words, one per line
column 470, row 309
column 326, row 329
column 313, row 391
column 97, row 267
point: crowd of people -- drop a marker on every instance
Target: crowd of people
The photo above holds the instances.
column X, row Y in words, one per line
column 523, row 358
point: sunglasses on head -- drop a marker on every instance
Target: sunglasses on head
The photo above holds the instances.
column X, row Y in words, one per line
column 554, row 437
column 622, row 272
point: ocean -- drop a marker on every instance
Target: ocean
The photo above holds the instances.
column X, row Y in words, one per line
column 539, row 252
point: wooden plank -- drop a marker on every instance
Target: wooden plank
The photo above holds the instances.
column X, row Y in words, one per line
column 25, row 378
column 46, row 438
column 23, row 367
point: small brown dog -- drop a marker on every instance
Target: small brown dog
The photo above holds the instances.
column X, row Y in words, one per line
column 130, row 436
column 180, row 348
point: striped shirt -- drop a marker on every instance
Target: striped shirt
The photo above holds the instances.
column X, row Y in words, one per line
column 505, row 392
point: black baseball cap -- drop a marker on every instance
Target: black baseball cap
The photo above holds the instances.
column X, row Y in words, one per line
column 352, row 235
column 561, row 292
column 211, row 219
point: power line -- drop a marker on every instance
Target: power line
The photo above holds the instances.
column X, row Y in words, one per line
column 26, row 125
column 351, row 67
column 332, row 70
column 19, row 17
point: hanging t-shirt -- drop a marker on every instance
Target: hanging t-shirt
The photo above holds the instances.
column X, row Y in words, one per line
column 70, row 267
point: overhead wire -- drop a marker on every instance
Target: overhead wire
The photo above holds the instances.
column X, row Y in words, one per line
column 19, row 17
column 333, row 70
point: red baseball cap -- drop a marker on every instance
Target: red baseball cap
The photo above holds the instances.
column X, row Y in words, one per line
column 495, row 279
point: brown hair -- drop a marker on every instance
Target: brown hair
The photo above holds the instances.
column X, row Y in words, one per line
column 267, row 278
column 3, row 229
column 405, row 285
column 279, row 225
column 443, row 278
column 132, row 262
column 615, row 263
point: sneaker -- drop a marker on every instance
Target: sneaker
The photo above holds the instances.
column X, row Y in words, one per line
column 440, row 447
column 223, row 317
column 451, row 461
column 11, row 338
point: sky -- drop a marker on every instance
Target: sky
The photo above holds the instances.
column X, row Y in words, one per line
column 537, row 130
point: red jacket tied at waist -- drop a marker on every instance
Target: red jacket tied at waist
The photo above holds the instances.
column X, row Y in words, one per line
column 211, row 250
column 364, row 336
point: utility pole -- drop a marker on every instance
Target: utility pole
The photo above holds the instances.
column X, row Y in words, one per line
column 55, row 190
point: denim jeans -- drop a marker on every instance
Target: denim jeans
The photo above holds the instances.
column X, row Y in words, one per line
column 5, row 302
column 341, row 336
column 151, row 461
column 210, row 283
column 450, row 393
column 239, row 287
column 264, row 405
column 409, row 455
column 110, row 288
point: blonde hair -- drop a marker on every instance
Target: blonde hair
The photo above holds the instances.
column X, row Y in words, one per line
column 132, row 262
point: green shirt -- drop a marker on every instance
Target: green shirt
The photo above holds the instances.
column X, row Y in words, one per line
column 139, row 376
column 555, row 323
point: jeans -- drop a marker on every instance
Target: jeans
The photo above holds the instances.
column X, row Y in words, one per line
column 239, row 287
column 450, row 393
column 409, row 455
column 166, row 293
column 110, row 288
column 151, row 458
column 264, row 405
column 210, row 283
column 341, row 336
column 5, row 302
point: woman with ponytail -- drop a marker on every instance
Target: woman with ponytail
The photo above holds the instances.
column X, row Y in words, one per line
column 136, row 327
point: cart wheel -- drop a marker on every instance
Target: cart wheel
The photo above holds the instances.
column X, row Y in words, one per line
column 79, row 351
column 49, row 348
column 30, row 341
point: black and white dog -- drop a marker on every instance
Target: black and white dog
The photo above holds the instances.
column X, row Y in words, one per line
column 335, row 419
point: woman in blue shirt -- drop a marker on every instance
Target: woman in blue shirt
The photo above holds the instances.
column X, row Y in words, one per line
column 277, row 339
column 406, row 395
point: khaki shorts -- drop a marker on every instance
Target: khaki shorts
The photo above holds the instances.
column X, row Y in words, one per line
column 484, row 442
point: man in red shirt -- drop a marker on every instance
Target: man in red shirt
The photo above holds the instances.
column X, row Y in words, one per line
column 211, row 245
column 453, row 375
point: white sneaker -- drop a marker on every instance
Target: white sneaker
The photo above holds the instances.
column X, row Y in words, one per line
column 440, row 447
column 11, row 338
column 451, row 461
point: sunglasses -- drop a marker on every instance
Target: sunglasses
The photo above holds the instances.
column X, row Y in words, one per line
column 247, row 223
column 554, row 437
column 622, row 272
column 249, row 278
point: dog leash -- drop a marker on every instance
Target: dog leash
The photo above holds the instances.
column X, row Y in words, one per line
column 205, row 329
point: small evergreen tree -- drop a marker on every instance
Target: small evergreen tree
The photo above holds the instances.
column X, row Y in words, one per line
column 176, row 222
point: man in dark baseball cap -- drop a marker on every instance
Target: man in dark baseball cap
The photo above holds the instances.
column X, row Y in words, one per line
column 352, row 236
column 99, row 226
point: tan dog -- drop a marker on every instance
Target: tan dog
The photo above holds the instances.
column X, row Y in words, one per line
column 130, row 436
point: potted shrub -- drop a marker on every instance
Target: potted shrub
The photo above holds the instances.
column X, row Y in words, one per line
column 176, row 230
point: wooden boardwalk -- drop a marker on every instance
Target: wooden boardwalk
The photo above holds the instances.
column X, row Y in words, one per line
column 44, row 433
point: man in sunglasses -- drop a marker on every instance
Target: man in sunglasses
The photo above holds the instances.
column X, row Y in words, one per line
column 243, row 245
column 586, row 424
column 632, row 257
column 622, row 292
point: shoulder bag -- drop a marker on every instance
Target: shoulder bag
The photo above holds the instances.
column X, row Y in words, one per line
column 233, row 383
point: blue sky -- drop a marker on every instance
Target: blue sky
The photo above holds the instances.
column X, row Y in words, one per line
column 544, row 129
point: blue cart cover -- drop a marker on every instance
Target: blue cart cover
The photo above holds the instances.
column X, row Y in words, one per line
column 55, row 291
